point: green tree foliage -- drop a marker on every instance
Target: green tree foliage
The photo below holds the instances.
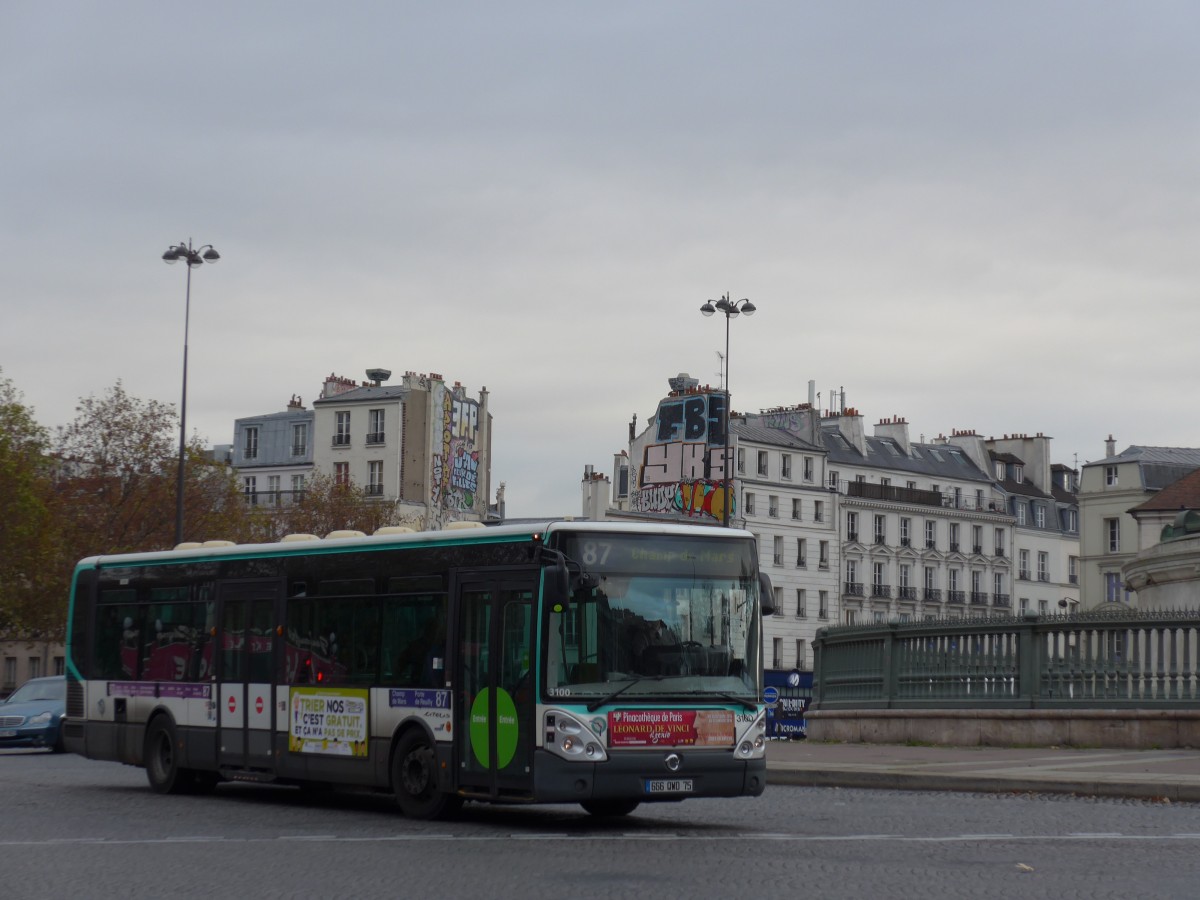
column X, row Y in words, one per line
column 27, row 525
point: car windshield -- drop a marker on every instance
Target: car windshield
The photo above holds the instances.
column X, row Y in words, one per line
column 50, row 689
column 686, row 625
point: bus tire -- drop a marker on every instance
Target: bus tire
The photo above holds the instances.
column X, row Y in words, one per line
column 610, row 808
column 415, row 779
column 162, row 759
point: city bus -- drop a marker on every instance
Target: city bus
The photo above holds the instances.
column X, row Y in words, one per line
column 594, row 663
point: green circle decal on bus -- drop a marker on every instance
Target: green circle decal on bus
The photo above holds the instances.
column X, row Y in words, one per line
column 506, row 728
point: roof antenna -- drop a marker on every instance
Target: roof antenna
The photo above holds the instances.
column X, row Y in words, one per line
column 721, row 373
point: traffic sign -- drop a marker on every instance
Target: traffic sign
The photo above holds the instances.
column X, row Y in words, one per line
column 771, row 695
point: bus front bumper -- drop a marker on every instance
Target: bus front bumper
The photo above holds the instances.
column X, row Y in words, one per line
column 645, row 775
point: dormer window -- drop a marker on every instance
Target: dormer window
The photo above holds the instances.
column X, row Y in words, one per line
column 1018, row 473
column 999, row 471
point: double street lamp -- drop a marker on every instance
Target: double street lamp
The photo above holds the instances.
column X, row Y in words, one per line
column 732, row 309
column 194, row 259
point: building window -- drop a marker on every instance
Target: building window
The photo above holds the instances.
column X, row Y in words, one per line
column 35, row 667
column 741, row 461
column 1112, row 528
column 785, row 467
column 375, row 426
column 776, row 653
column 300, row 439
column 818, row 510
column 878, row 585
column 1072, row 521
column 762, row 463
column 801, row 603
column 1043, row 607
column 777, row 593
column 749, row 503
column 773, row 506
column 978, row 499
column 341, row 435
column 1020, row 513
column 10, row 673
column 881, row 529
column 905, row 531
column 999, row 470
column 1023, row 564
column 1043, row 566
column 273, row 490
column 1024, row 604
column 341, row 473
column 1114, row 590
column 1110, row 476
column 808, row 468
column 977, row 538
column 1073, row 569
column 852, row 526
column 375, row 478
column 801, row 654
column 999, row 541
column 797, row 507
column 823, row 604
column 250, row 447
column 930, row 534
column 777, row 543
column 801, row 553
column 953, row 537
column 998, row 583
column 297, row 488
column 1039, row 515
column 834, row 481
column 823, row 560
column 250, row 489
column 905, row 580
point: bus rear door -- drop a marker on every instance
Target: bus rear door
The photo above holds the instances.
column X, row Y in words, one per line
column 246, row 693
column 494, row 684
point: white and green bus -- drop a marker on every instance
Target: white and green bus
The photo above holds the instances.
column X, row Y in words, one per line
column 594, row 663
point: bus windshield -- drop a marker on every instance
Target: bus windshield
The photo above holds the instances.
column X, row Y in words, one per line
column 657, row 617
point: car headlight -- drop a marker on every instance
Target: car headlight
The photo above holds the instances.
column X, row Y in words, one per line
column 41, row 719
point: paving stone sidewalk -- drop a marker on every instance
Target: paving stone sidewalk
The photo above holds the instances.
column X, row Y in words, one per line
column 1145, row 774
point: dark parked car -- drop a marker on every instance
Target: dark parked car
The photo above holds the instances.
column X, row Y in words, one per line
column 32, row 715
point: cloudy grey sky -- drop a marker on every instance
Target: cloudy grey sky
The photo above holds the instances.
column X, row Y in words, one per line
column 972, row 215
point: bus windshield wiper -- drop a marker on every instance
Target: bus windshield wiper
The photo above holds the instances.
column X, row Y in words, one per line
column 596, row 704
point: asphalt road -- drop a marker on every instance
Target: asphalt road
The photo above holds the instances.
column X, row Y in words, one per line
column 74, row 828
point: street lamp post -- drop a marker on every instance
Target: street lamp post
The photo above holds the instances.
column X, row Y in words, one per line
column 194, row 258
column 732, row 309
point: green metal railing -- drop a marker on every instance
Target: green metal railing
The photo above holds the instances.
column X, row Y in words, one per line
column 1103, row 659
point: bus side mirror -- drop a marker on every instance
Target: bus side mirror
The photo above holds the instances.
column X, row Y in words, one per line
column 558, row 582
column 766, row 594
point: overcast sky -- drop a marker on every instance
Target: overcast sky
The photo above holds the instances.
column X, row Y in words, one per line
column 971, row 215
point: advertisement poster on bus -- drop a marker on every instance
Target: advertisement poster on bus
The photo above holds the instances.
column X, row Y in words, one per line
column 330, row 721
column 670, row 728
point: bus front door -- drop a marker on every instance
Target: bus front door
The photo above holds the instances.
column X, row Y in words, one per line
column 494, row 686
column 246, row 696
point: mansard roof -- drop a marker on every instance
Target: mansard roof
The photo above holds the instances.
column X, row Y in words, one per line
column 1183, row 493
column 933, row 460
column 367, row 393
column 775, row 437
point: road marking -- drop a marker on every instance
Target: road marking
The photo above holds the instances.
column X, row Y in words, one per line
column 628, row 836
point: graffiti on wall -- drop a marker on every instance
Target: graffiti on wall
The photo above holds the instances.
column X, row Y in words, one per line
column 456, row 468
column 682, row 470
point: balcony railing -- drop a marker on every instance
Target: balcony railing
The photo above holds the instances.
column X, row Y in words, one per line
column 853, row 589
column 933, row 594
column 930, row 545
column 376, row 437
column 999, row 552
column 341, row 440
column 880, row 539
column 977, row 549
column 956, row 596
column 852, row 535
column 954, row 546
column 299, row 449
column 978, row 598
column 373, row 490
column 906, row 593
column 881, row 590
column 1001, row 600
column 892, row 494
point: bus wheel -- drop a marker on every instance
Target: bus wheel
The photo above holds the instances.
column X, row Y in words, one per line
column 606, row 808
column 162, row 764
column 415, row 778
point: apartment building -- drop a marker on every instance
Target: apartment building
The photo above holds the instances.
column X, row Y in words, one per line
column 1110, row 537
column 421, row 444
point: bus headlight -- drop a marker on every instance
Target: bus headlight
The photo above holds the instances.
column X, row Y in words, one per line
column 568, row 737
column 752, row 742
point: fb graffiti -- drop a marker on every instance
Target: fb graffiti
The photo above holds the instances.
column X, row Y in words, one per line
column 697, row 418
